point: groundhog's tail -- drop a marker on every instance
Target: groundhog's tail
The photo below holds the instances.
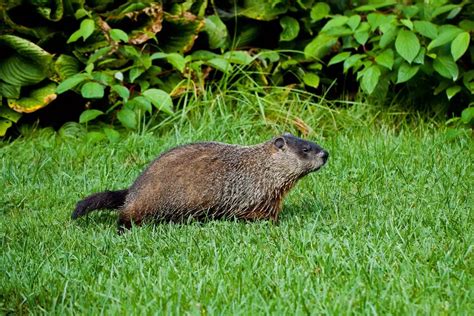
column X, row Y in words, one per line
column 101, row 200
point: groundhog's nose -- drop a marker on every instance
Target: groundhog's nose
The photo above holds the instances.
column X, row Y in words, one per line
column 324, row 155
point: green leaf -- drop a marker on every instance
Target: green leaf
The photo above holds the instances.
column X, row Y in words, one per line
column 311, row 79
column 94, row 136
column 19, row 71
column 36, row 99
column 135, row 73
column 71, row 82
column 427, row 29
column 123, row 92
column 446, row 34
column 443, row 9
column 89, row 115
column 370, row 79
column 128, row 118
column 9, row 91
column 452, row 91
column 467, row 115
column 446, row 67
column 407, row 45
column 353, row 22
column 118, row 35
column 385, row 59
column 9, row 114
column 388, row 36
column 319, row 11
column 406, row 72
column 238, row 57
column 140, row 102
column 4, row 126
column 339, row 58
column 320, row 46
column 112, row 135
column 92, row 90
column 420, row 58
column 375, row 6
column 220, row 64
column 290, row 27
column 177, row 60
column 337, row 20
column 375, row 20
column 66, row 66
column 85, row 30
column 460, row 45
column 361, row 37
column 216, row 31
column 160, row 99
column 352, row 61
column 407, row 23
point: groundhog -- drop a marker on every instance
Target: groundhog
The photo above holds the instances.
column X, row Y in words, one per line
column 212, row 180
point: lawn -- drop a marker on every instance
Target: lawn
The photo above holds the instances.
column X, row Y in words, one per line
column 385, row 228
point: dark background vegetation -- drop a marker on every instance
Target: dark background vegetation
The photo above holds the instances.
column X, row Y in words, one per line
column 121, row 63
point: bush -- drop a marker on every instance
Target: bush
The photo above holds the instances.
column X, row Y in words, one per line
column 129, row 59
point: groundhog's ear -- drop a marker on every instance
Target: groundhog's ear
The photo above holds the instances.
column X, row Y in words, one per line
column 279, row 142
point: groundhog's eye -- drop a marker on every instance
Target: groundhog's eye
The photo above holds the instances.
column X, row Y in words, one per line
column 306, row 150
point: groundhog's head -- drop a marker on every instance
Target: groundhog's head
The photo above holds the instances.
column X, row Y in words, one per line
column 299, row 156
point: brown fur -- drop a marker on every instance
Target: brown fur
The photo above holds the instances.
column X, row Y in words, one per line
column 216, row 180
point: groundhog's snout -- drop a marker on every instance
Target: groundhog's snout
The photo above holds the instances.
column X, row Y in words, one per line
column 324, row 155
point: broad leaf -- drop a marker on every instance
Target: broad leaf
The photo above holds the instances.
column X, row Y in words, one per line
column 118, row 35
column 160, row 99
column 290, row 27
column 427, row 29
column 9, row 114
column 216, row 31
column 128, row 118
column 353, row 22
column 407, row 45
column 92, row 90
column 9, row 91
column 4, row 126
column 446, row 67
column 177, row 60
column 338, row 20
column 71, row 82
column 467, row 115
column 122, row 91
column 460, row 45
column 85, row 30
column 406, row 72
column 385, row 59
column 35, row 100
column 320, row 46
column 112, row 135
column 319, row 11
column 220, row 64
column 238, row 57
column 89, row 115
column 311, row 79
column 370, row 79
column 388, row 36
column 66, row 66
column 339, row 58
column 452, row 91
column 447, row 33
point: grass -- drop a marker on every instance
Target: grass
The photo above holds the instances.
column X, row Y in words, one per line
column 385, row 228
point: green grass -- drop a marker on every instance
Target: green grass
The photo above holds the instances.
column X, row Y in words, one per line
column 385, row 227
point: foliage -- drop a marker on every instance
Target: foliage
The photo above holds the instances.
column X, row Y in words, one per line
column 128, row 60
